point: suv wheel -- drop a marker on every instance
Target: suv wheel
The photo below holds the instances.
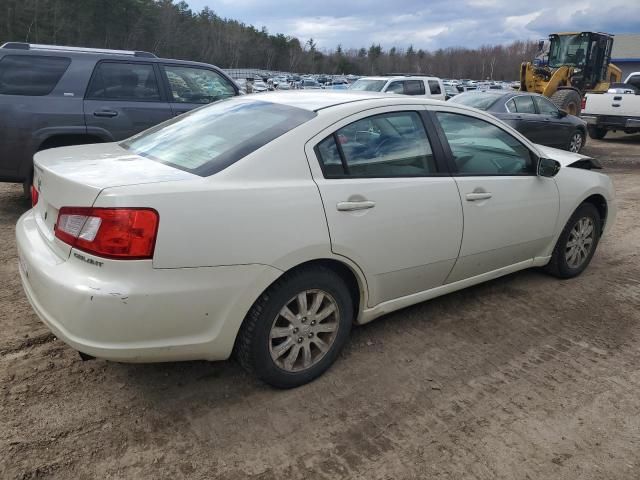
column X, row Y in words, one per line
column 296, row 329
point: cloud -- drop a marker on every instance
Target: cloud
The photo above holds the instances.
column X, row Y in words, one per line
column 427, row 24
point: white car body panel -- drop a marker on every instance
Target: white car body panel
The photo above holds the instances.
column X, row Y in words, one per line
column 224, row 239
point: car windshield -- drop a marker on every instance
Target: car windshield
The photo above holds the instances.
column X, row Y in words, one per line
column 365, row 85
column 568, row 50
column 479, row 100
column 209, row 139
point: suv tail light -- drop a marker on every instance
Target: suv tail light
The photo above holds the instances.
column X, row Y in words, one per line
column 584, row 103
column 34, row 196
column 119, row 233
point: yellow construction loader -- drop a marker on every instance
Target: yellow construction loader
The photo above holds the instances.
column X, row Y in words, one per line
column 568, row 66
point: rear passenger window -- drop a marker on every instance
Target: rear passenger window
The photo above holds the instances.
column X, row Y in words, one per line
column 387, row 145
column 396, row 87
column 634, row 80
column 414, row 87
column 434, row 87
column 30, row 74
column 524, row 104
column 124, row 81
column 511, row 106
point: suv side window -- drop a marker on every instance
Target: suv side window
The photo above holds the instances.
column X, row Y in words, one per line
column 413, row 87
column 197, row 85
column 124, row 81
column 387, row 145
column 31, row 75
column 434, row 87
column 524, row 104
column 481, row 148
column 634, row 80
column 395, row 87
column 545, row 107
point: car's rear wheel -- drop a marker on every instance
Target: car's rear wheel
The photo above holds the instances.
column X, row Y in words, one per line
column 577, row 243
column 296, row 329
column 597, row 133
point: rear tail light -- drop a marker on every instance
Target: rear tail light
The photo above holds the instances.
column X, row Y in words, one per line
column 34, row 195
column 584, row 103
column 119, row 233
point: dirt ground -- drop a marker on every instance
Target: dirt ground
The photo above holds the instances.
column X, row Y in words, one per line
column 525, row 377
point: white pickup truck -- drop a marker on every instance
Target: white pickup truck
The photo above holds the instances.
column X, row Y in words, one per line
column 618, row 109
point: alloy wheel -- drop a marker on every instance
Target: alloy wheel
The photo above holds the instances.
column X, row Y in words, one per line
column 576, row 142
column 304, row 330
column 580, row 242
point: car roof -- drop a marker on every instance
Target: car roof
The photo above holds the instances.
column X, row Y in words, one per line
column 315, row 100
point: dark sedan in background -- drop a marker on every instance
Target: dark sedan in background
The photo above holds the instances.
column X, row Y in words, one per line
column 533, row 115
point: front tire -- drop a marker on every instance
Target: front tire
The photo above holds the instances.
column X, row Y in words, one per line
column 297, row 328
column 577, row 141
column 577, row 243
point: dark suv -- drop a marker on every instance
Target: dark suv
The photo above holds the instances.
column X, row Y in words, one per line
column 52, row 96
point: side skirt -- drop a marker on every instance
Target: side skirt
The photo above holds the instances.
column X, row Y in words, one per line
column 371, row 314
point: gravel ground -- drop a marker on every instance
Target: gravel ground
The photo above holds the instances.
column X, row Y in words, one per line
column 524, row 377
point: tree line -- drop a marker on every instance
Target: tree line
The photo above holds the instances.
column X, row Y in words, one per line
column 173, row 30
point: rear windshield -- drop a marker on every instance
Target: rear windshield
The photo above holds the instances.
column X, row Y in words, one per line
column 481, row 101
column 30, row 74
column 368, row 85
column 209, row 139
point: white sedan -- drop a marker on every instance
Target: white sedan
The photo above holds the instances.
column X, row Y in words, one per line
column 267, row 226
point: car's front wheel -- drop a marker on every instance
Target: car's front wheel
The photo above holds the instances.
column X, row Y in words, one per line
column 296, row 329
column 577, row 243
column 576, row 142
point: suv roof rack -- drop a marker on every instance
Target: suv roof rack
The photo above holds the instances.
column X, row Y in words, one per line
column 407, row 75
column 60, row 48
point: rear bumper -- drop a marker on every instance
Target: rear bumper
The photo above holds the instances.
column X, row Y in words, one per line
column 128, row 311
column 611, row 122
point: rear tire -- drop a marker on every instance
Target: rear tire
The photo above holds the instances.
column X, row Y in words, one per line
column 577, row 243
column 568, row 100
column 283, row 340
column 597, row 133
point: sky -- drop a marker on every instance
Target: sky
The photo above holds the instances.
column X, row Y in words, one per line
column 427, row 24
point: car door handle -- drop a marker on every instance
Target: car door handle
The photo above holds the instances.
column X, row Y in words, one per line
column 105, row 113
column 353, row 206
column 472, row 197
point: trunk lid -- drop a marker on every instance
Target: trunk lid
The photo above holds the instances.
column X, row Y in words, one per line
column 75, row 176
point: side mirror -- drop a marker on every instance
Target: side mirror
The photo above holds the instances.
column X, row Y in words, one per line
column 562, row 113
column 548, row 167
